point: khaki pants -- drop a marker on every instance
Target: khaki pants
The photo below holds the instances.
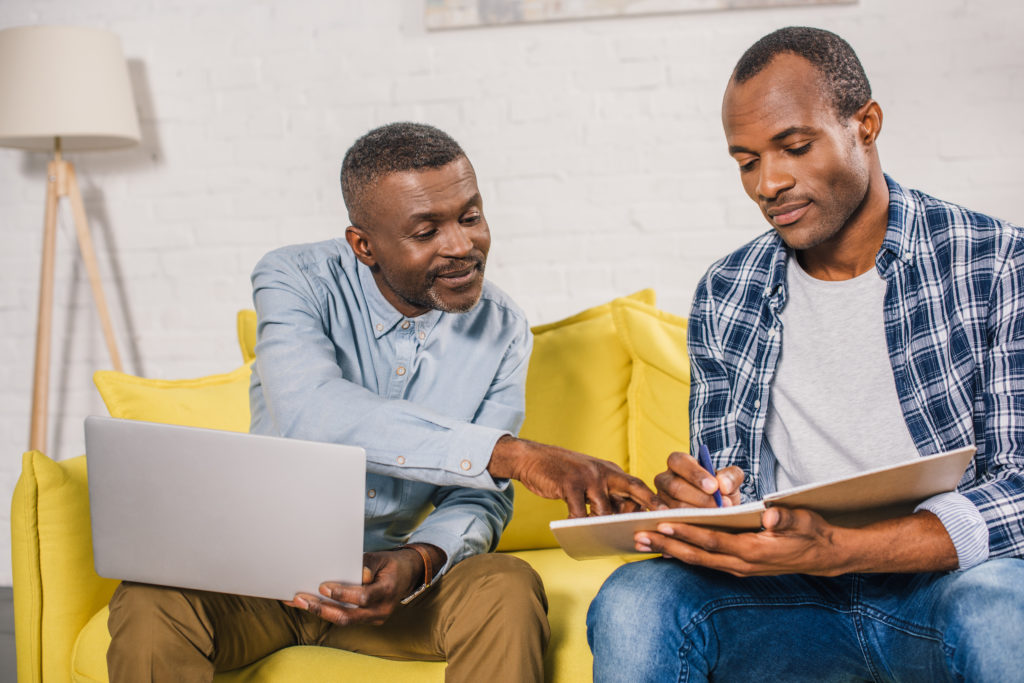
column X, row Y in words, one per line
column 487, row 618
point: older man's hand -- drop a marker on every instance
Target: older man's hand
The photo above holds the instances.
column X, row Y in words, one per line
column 388, row 577
column 588, row 485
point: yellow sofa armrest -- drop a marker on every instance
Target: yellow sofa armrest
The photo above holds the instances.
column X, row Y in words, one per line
column 56, row 588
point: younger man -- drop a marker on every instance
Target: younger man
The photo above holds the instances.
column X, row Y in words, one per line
column 872, row 325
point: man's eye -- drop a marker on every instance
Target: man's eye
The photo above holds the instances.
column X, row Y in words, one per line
column 800, row 151
column 425, row 234
column 471, row 219
column 747, row 165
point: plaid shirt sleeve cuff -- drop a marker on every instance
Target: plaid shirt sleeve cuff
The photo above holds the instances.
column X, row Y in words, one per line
column 964, row 524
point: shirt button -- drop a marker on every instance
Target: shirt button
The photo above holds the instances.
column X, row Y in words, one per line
column 405, row 325
column 423, row 335
column 757, row 403
column 771, row 332
column 379, row 327
column 400, row 371
column 465, row 464
column 372, row 493
column 400, row 460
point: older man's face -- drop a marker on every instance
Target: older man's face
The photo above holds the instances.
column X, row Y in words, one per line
column 426, row 238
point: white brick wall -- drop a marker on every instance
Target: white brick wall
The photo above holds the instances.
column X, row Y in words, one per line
column 598, row 145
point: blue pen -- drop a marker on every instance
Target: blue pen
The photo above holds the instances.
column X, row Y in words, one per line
column 704, row 457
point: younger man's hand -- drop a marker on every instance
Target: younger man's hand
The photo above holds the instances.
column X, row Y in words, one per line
column 686, row 484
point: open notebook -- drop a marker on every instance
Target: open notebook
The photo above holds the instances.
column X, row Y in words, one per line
column 849, row 501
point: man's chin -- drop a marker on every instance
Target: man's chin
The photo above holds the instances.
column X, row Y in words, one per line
column 456, row 302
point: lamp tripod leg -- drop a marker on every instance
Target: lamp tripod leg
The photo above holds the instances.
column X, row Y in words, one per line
column 91, row 266
column 41, row 382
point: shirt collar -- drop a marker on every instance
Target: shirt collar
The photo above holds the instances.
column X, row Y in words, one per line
column 383, row 316
column 775, row 288
column 901, row 233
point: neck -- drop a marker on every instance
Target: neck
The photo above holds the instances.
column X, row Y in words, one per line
column 402, row 305
column 852, row 250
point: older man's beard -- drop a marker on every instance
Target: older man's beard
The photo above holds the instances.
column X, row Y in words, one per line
column 436, row 302
column 428, row 296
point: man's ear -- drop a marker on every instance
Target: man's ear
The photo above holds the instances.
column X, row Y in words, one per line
column 360, row 243
column 869, row 121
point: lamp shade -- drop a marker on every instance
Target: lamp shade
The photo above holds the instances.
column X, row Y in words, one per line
column 68, row 82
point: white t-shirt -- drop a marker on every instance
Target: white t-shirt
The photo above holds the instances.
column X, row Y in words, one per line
column 834, row 410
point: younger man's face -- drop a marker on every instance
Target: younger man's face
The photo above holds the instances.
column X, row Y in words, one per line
column 805, row 168
column 424, row 235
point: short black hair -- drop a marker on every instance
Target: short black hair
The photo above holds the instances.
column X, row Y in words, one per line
column 392, row 148
column 842, row 75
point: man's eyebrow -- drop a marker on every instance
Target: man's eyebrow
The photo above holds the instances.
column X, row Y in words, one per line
column 778, row 137
column 793, row 130
column 433, row 216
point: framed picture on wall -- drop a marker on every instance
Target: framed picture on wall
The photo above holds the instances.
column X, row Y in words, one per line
column 445, row 14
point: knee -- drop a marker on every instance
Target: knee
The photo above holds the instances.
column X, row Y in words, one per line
column 503, row 578
column 642, row 608
column 142, row 608
column 505, row 587
column 635, row 594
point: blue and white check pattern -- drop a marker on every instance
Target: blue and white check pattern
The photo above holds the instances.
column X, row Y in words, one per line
column 954, row 325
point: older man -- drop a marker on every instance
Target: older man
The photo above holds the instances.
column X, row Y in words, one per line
column 392, row 340
column 871, row 325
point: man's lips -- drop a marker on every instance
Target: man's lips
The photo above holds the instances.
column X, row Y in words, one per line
column 788, row 213
column 458, row 278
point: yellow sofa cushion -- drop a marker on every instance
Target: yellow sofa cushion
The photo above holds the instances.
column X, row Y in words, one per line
column 245, row 321
column 51, row 547
column 213, row 402
column 570, row 586
column 575, row 398
column 659, row 386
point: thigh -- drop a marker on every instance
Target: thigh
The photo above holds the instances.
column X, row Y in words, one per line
column 228, row 630
column 459, row 602
column 960, row 626
column 661, row 619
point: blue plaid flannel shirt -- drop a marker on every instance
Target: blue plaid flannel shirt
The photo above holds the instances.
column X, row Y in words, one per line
column 954, row 326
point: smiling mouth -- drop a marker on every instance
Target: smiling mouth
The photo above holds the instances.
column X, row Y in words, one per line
column 787, row 214
column 459, row 278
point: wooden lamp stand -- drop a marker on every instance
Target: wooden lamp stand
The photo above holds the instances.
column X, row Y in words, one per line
column 61, row 182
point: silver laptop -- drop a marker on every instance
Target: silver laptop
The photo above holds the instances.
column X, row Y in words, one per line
column 223, row 511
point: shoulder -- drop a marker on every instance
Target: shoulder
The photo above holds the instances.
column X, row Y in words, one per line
column 312, row 256
column 495, row 305
column 954, row 230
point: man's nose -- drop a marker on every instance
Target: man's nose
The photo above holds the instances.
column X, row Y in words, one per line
column 773, row 179
column 457, row 241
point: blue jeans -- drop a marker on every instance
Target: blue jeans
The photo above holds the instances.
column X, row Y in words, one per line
column 661, row 620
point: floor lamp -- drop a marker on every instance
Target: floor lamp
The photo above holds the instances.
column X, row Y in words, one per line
column 63, row 89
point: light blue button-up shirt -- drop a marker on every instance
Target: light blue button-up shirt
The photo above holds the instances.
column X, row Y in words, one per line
column 427, row 397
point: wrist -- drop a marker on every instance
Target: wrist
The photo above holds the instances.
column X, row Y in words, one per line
column 503, row 457
column 430, row 560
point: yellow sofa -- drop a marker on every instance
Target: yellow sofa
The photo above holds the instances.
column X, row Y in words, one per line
column 612, row 381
